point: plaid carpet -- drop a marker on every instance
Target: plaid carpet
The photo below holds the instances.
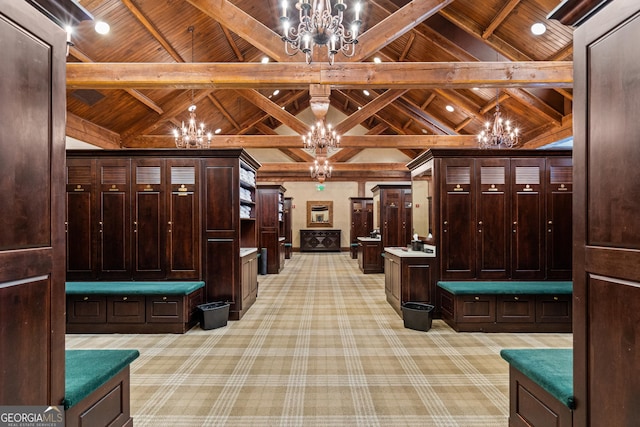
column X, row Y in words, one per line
column 320, row 347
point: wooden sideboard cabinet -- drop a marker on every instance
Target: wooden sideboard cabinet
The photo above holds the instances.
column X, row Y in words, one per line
column 320, row 240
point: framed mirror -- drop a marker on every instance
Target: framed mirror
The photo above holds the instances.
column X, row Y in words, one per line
column 320, row 214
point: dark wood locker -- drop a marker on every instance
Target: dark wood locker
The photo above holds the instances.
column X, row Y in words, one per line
column 528, row 218
column 270, row 202
column 222, row 246
column 394, row 214
column 457, row 217
column 559, row 185
column 183, row 219
column 149, row 222
column 114, row 218
column 606, row 202
column 81, row 223
column 361, row 221
column 32, row 282
column 492, row 200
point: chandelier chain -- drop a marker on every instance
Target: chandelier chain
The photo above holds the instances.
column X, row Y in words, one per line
column 192, row 135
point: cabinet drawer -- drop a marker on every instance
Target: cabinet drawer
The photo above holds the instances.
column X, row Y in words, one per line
column 516, row 309
column 476, row 308
column 553, row 308
column 447, row 305
column 165, row 309
column 86, row 309
column 126, row 309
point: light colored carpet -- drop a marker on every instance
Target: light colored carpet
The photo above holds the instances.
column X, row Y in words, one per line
column 320, row 347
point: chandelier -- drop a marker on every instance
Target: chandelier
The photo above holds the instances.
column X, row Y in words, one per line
column 317, row 26
column 192, row 135
column 320, row 170
column 321, row 138
column 499, row 134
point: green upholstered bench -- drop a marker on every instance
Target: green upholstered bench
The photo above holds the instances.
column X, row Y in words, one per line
column 540, row 386
column 506, row 306
column 133, row 306
column 97, row 387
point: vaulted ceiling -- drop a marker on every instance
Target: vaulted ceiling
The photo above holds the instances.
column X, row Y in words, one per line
column 132, row 87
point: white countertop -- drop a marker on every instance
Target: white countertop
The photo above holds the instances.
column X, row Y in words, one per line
column 247, row 251
column 408, row 253
column 369, row 239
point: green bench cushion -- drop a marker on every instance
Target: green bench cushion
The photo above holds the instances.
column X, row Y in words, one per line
column 508, row 287
column 87, row 370
column 132, row 288
column 288, row 245
column 550, row 368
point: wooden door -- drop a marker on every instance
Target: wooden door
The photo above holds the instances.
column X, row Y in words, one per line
column 606, row 273
column 81, row 225
column 183, row 232
column 527, row 218
column 492, row 219
column 114, row 218
column 32, row 241
column 559, row 239
column 149, row 223
column 457, row 216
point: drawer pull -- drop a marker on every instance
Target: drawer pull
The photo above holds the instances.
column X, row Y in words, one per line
column 85, row 299
column 516, row 298
column 124, row 298
column 555, row 298
column 476, row 298
column 164, row 298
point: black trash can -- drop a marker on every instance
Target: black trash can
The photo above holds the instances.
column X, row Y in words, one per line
column 417, row 315
column 214, row 314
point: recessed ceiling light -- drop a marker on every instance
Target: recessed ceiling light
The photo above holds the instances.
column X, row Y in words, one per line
column 217, row 131
column 377, row 60
column 359, row 108
column 538, row 28
column 283, row 107
column 449, row 108
column 366, row 92
column 276, row 92
column 475, row 88
column 102, row 27
column 265, row 60
column 425, row 131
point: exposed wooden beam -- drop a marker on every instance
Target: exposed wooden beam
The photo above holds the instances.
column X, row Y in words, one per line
column 294, row 141
column 232, row 42
column 148, row 25
column 78, row 54
column 396, row 25
column 368, row 110
column 298, row 155
column 401, row 75
column 222, row 110
column 91, row 133
column 246, row 26
column 274, row 110
column 407, row 47
column 499, row 18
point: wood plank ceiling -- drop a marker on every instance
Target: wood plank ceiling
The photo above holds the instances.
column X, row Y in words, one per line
column 130, row 88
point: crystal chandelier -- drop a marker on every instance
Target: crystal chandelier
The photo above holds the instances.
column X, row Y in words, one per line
column 317, row 26
column 321, row 138
column 320, row 170
column 192, row 135
column 500, row 134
